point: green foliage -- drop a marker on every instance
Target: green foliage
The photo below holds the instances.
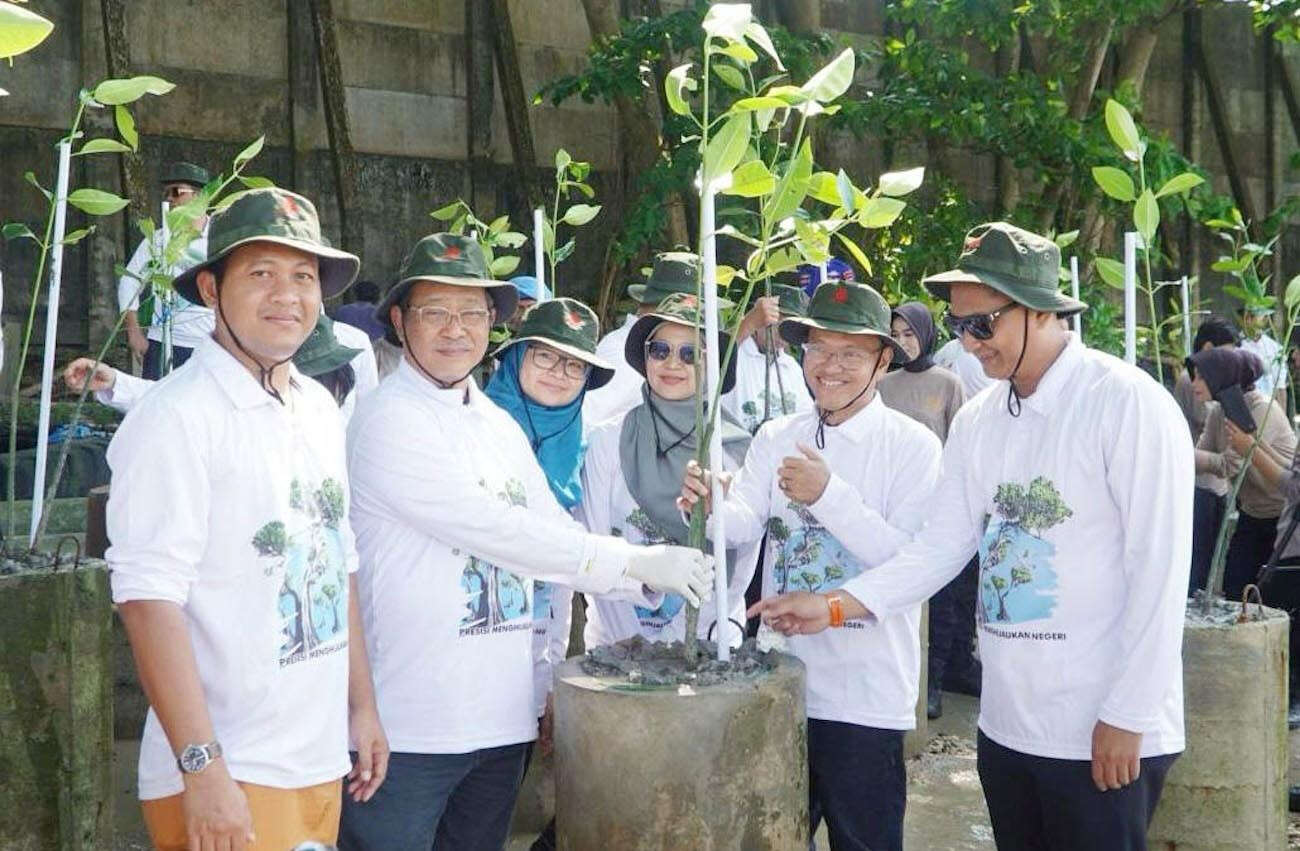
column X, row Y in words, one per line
column 570, row 177
column 271, row 539
column 491, row 236
column 21, row 30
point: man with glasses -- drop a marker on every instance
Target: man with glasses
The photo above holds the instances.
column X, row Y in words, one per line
column 191, row 323
column 1073, row 481
column 454, row 520
column 838, row 490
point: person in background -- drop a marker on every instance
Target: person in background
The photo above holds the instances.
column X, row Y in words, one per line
column 1214, row 332
column 530, row 293
column 932, row 395
column 953, row 357
column 191, row 323
column 1259, row 502
column 1257, row 322
column 764, row 366
column 360, row 312
column 809, row 275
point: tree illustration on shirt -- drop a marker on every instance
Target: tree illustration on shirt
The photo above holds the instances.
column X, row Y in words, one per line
column 652, row 533
column 808, row 558
column 493, row 596
column 1017, row 580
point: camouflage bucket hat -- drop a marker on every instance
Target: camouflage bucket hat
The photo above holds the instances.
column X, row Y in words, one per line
column 846, row 308
column 569, row 326
column 1023, row 266
column 182, row 172
column 322, row 352
column 679, row 309
column 791, row 300
column 447, row 258
column 673, row 272
column 272, row 215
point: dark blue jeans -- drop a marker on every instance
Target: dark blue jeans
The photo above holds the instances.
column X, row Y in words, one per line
column 1041, row 804
column 857, row 782
column 448, row 802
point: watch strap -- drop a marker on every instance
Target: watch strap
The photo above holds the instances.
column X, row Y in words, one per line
column 835, row 603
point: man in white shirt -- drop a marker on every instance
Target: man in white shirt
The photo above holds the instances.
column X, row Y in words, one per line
column 769, row 383
column 1257, row 322
column 831, row 513
column 191, row 323
column 455, row 519
column 953, row 356
column 232, row 554
column 1073, row 480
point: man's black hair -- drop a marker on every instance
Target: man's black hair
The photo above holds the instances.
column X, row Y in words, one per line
column 366, row 291
column 1216, row 331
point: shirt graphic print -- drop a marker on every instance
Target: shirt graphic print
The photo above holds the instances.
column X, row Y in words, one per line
column 808, row 557
column 1018, row 580
column 652, row 534
column 496, row 600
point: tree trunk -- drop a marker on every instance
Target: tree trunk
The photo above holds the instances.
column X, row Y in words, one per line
column 800, row 16
column 480, row 85
column 1135, row 55
column 305, row 119
column 515, row 102
column 1006, row 178
column 336, row 122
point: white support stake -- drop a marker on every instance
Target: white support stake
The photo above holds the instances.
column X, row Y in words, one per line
column 1187, row 319
column 51, row 336
column 712, row 371
column 1130, row 296
column 165, row 301
column 539, row 252
column 1077, row 320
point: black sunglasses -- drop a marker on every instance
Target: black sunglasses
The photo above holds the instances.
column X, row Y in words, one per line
column 978, row 325
column 661, row 350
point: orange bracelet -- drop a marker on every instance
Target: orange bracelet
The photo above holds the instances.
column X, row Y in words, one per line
column 837, row 610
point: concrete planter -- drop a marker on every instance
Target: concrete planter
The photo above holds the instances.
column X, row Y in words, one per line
column 56, row 710
column 712, row 767
column 1228, row 791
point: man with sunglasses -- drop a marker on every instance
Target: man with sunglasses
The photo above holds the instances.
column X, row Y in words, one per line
column 191, row 323
column 455, row 519
column 1072, row 479
column 838, row 490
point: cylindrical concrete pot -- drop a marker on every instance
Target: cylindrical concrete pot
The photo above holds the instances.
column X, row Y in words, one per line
column 56, row 709
column 706, row 768
column 1228, row 791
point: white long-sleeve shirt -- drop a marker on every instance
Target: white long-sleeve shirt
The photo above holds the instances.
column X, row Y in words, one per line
column 883, row 469
column 191, row 323
column 953, row 356
column 786, row 391
column 1081, row 511
column 623, row 392
column 454, row 519
column 1270, row 353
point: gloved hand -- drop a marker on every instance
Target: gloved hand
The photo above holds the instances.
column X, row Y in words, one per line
column 678, row 570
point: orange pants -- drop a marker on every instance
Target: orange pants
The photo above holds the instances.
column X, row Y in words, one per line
column 282, row 818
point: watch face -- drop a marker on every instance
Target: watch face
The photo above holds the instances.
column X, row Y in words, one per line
column 194, row 759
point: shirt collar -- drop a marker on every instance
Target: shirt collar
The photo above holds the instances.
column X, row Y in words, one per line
column 748, row 348
column 859, row 427
column 233, row 377
column 630, row 320
column 1058, row 374
column 449, row 397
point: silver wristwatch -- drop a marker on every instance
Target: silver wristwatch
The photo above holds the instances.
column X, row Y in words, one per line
column 195, row 758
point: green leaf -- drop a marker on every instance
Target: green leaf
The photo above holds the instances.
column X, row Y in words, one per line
column 739, row 51
column 728, row 20
column 229, row 199
column 723, row 275
column 757, row 104
column 503, row 266
column 844, row 186
column 1220, row 224
column 511, row 239
column 498, row 225
column 1146, row 215
column 756, row 33
column 78, row 235
column 1111, row 272
column 731, row 231
column 562, row 253
column 251, row 151
column 96, row 202
column 31, row 178
column 822, row 186
column 1292, row 293
column 1180, row 183
column 857, row 252
column 113, row 92
column 21, row 30
column 1230, row 265
column 449, row 212
column 579, row 214
column 562, row 160
column 18, row 230
column 727, row 147
column 751, row 180
column 1114, row 182
column 880, row 212
column 548, row 236
column 126, row 126
column 792, row 186
column 833, row 80
column 813, row 242
column 782, row 260
column 255, row 182
column 674, row 83
column 763, row 119
column 1065, row 240
column 1119, row 121
column 730, row 75
column 101, row 146
column 898, row 183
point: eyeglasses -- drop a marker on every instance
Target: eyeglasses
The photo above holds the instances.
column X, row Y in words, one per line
column 978, row 325
column 180, row 192
column 661, row 350
column 547, row 360
column 848, row 358
column 474, row 319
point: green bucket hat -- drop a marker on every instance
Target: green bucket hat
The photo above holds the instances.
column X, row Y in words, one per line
column 322, row 352
column 182, row 172
column 272, row 215
column 1023, row 266
column 673, row 272
column 679, row 309
column 846, row 308
column 569, row 326
column 791, row 300
column 446, row 258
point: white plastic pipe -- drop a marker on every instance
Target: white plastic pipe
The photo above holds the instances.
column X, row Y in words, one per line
column 1074, row 291
column 1187, row 319
column 712, row 371
column 163, row 298
column 1130, row 296
column 539, row 252
column 51, row 336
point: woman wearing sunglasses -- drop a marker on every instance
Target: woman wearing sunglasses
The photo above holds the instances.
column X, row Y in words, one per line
column 635, row 464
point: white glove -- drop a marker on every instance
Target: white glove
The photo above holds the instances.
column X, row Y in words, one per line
column 678, row 570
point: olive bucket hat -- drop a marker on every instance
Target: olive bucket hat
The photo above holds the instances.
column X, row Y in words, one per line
column 791, row 300
column 1023, row 266
column 673, row 272
column 183, row 172
column 570, row 327
column 846, row 308
column 446, row 258
column 271, row 215
column 679, row 309
column 322, row 352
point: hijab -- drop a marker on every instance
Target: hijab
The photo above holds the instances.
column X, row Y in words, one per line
column 1223, row 367
column 555, row 433
column 918, row 318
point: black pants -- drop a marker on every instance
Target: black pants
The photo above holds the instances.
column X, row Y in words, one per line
column 1207, row 514
column 153, row 359
column 1248, row 551
column 1041, row 804
column 952, row 625
column 1282, row 591
column 858, row 783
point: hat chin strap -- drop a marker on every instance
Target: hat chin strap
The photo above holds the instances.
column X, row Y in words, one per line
column 264, row 371
column 437, row 382
column 823, row 415
column 1013, row 395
